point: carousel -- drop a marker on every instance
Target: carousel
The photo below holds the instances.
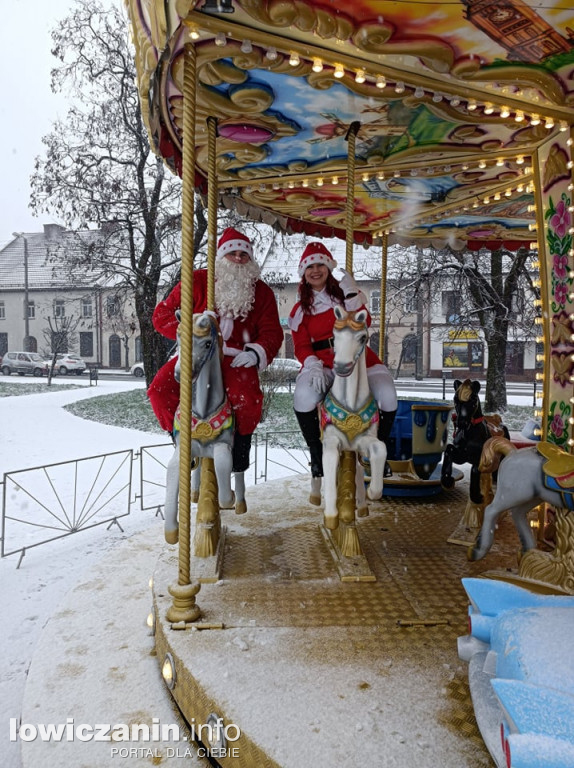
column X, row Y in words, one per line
column 330, row 637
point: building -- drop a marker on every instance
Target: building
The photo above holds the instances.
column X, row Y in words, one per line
column 46, row 306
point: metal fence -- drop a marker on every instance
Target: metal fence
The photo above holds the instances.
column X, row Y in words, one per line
column 45, row 503
column 42, row 504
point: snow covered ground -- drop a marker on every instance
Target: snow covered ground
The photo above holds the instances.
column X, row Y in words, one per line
column 37, row 431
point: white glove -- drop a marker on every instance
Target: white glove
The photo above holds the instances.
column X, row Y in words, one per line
column 245, row 359
column 348, row 284
column 318, row 376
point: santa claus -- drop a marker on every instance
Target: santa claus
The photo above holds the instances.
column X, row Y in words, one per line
column 247, row 312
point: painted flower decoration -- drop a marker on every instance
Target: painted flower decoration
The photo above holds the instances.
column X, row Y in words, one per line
column 560, row 220
column 560, row 263
column 561, row 293
column 557, row 425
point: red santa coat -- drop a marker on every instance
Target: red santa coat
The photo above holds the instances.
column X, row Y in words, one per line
column 308, row 329
column 260, row 331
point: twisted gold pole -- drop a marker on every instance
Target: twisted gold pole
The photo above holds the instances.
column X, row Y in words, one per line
column 208, row 525
column 211, row 210
column 383, row 301
column 183, row 607
column 350, row 206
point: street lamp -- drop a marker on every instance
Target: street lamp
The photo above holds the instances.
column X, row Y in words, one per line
column 26, row 302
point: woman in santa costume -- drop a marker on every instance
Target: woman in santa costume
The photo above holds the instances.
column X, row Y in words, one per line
column 249, row 322
column 311, row 322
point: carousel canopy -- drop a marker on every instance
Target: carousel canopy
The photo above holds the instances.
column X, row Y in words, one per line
column 453, row 100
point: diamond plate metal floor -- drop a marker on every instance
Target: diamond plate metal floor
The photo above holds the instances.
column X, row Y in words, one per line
column 289, row 621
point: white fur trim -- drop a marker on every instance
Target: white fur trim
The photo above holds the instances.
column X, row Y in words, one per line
column 235, row 245
column 316, row 258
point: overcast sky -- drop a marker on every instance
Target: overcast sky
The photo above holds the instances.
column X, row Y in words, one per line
column 28, row 105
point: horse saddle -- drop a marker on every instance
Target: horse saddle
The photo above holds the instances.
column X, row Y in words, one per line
column 558, row 470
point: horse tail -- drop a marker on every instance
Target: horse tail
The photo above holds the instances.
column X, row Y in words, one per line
column 494, row 449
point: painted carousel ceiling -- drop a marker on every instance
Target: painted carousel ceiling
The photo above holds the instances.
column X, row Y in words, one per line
column 453, row 101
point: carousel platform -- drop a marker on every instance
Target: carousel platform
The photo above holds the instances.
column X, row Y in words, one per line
column 312, row 670
column 316, row 670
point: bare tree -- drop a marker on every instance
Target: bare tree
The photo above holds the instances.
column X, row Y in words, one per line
column 99, row 171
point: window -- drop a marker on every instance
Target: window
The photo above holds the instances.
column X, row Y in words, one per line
column 86, row 344
column 2, row 311
column 411, row 300
column 86, row 307
column 375, row 302
column 59, row 308
column 59, row 341
column 451, row 306
column 31, row 310
column 112, row 306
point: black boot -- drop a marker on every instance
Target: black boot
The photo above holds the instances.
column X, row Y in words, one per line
column 309, row 424
column 386, row 421
column 240, row 452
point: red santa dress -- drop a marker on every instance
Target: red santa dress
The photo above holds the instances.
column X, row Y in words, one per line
column 260, row 331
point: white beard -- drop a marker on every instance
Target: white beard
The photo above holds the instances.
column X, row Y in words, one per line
column 235, row 288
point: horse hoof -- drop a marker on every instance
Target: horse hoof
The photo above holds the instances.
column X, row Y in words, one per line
column 315, row 500
column 363, row 511
column 172, row 537
column 230, row 504
column 194, row 497
column 332, row 523
column 447, row 483
column 241, row 507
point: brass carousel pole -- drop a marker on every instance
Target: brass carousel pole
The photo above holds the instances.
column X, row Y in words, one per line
column 208, row 527
column 346, row 534
column 383, row 299
column 184, row 607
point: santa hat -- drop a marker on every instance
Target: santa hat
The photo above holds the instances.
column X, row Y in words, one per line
column 316, row 253
column 232, row 240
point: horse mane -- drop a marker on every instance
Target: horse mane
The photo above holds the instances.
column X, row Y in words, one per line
column 494, row 449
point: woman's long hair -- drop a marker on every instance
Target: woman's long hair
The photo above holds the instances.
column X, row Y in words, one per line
column 307, row 294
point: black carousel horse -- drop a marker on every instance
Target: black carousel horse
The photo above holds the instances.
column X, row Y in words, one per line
column 471, row 430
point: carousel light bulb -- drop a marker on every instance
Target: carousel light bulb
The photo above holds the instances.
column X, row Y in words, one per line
column 437, row 97
column 531, row 209
column 569, row 141
column 488, row 108
column 570, row 165
column 508, row 193
column 294, row 59
column 520, row 188
column 497, row 196
column 320, row 181
column 500, row 162
column 317, row 65
column 471, row 105
column 262, row 187
column 381, row 82
column 305, row 183
column 520, row 160
column 533, row 226
column 360, row 76
column 246, row 46
column 535, row 120
column 400, row 87
column 464, row 167
column 339, row 71
column 454, row 101
column 519, row 116
column 335, row 180
column 194, row 33
column 366, row 177
column 504, row 112
column 475, row 204
column 271, row 53
column 482, row 164
column 381, row 176
column 563, row 125
column 220, row 39
column 486, row 200
column 397, row 174
column 419, row 92
column 291, row 185
column 549, row 123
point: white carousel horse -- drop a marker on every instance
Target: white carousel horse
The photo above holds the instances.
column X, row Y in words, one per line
column 211, row 427
column 521, row 485
column 349, row 414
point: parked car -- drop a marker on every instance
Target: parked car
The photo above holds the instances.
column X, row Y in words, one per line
column 137, row 370
column 68, row 364
column 282, row 370
column 23, row 363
